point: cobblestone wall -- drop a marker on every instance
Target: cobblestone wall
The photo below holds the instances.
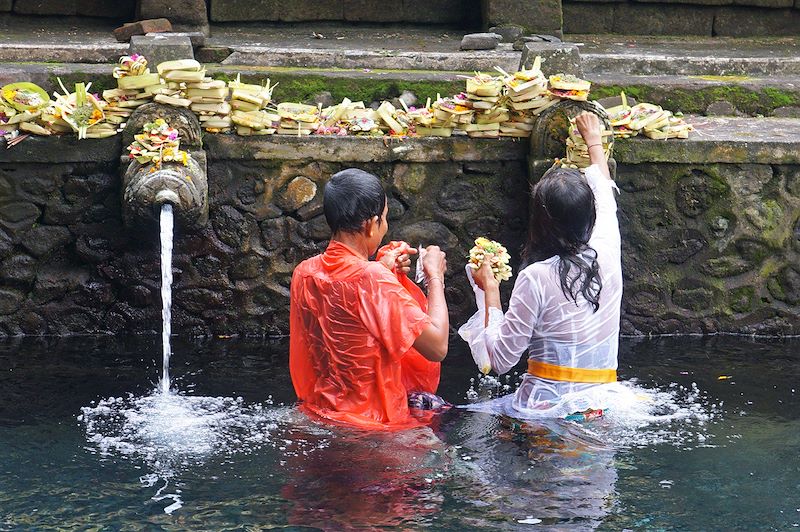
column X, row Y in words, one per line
column 69, row 266
column 711, row 248
column 706, row 247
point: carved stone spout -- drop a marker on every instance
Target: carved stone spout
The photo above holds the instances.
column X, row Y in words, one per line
column 146, row 187
column 185, row 187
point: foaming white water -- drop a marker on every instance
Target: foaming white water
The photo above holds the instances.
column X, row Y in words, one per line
column 172, row 433
column 634, row 415
column 166, row 291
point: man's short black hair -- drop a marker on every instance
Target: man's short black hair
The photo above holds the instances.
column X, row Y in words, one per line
column 352, row 197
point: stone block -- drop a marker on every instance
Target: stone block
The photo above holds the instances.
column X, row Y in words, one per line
column 310, row 10
column 787, row 111
column 118, row 9
column 480, row 41
column 651, row 19
column 161, row 47
column 244, row 10
column 508, row 32
column 747, row 22
column 188, row 12
column 142, row 27
column 581, row 17
column 370, row 11
column 556, row 57
column 46, row 7
column 536, row 16
column 197, row 38
column 298, row 192
column 5, row 6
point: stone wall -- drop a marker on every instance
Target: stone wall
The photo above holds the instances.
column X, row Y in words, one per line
column 710, row 245
column 722, row 18
column 69, row 266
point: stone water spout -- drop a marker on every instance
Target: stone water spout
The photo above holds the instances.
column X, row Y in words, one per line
column 146, row 187
column 550, row 133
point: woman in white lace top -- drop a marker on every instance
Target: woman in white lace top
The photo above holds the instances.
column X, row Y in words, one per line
column 565, row 306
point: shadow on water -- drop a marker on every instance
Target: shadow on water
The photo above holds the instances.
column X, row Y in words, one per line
column 86, row 442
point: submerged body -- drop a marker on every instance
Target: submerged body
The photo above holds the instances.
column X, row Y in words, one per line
column 353, row 326
column 572, row 349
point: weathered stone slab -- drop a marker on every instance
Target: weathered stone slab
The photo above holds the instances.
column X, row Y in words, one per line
column 162, row 47
column 480, row 41
column 508, row 32
column 5, row 6
column 361, row 149
column 556, row 57
column 536, row 16
column 745, row 22
column 46, row 7
column 721, row 140
column 360, row 59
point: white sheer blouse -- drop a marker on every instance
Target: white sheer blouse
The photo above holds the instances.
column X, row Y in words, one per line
column 554, row 329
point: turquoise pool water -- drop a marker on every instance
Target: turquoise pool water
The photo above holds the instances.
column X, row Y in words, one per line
column 84, row 444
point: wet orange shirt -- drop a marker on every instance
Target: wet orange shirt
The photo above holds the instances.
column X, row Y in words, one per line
column 352, row 323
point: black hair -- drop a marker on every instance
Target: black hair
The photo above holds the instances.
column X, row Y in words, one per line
column 561, row 223
column 352, row 197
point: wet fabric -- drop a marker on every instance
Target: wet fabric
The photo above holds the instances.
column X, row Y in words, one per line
column 352, row 325
column 555, row 330
column 427, row 401
column 419, row 373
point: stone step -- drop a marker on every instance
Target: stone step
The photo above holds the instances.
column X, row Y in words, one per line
column 689, row 56
column 727, row 140
column 713, row 95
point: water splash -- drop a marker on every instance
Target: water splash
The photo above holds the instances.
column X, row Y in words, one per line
column 636, row 416
column 173, row 433
column 166, row 292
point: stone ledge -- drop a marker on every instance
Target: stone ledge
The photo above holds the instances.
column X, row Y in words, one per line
column 63, row 149
column 358, row 59
column 720, row 140
column 363, row 149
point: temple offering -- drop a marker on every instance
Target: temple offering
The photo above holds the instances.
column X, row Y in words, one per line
column 82, row 111
column 499, row 260
column 578, row 151
column 158, row 143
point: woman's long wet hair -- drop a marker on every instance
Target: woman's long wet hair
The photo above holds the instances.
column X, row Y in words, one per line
column 561, row 223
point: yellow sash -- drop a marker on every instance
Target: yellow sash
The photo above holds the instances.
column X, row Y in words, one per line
column 564, row 373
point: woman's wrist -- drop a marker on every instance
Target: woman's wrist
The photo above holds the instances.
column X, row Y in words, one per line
column 438, row 278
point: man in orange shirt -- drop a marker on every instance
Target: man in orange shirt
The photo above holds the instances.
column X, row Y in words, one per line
column 353, row 323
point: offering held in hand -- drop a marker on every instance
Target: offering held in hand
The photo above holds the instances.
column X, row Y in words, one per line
column 499, row 261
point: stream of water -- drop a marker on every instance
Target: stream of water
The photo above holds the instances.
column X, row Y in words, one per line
column 166, row 292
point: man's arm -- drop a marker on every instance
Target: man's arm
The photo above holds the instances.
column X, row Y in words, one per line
column 432, row 342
